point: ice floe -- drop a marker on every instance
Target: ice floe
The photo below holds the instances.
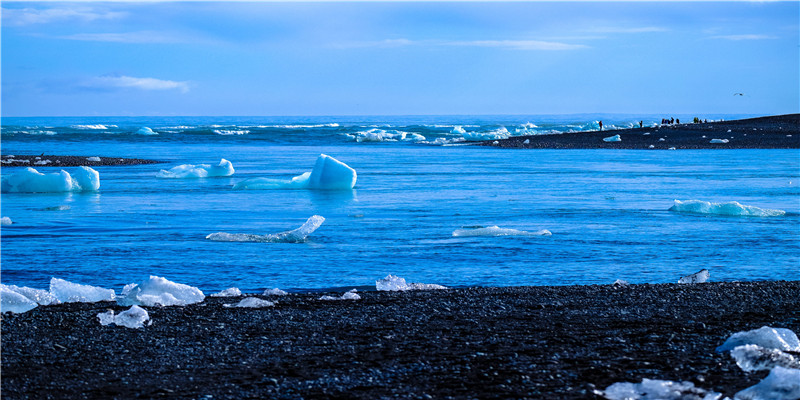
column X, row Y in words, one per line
column 14, row 302
column 497, row 231
column 654, row 389
column 159, row 291
column 767, row 337
column 697, row 277
column 225, row 168
column 252, row 302
column 30, row 180
column 499, row 133
column 780, row 384
column 393, row 283
column 134, row 317
column 229, row 292
column 731, row 208
column 69, row 292
column 298, row 235
column 274, row 292
column 145, row 131
column 349, row 295
column 328, row 174
column 5, row 221
column 751, row 357
column 614, row 138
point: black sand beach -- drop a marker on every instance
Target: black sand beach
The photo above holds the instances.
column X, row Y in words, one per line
column 515, row 342
column 69, row 161
column 773, row 132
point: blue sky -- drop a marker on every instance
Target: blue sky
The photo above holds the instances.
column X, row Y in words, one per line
column 399, row 58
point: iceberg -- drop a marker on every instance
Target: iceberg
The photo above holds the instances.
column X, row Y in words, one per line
column 225, row 168
column 134, row 317
column 145, row 131
column 458, row 130
column 751, row 357
column 731, row 208
column 38, row 296
column 766, row 337
column 5, row 221
column 500, row 133
column 654, row 389
column 349, row 295
column 780, row 384
column 393, row 283
column 614, row 138
column 68, row 292
column 274, row 292
column 252, row 302
column 30, row 180
column 298, row 235
column 14, row 302
column 328, row 174
column 697, row 277
column 230, row 292
column 497, row 231
column 160, row 291
column 380, row 135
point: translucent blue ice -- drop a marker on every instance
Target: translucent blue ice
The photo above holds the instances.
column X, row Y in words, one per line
column 160, row 291
column 731, row 208
column 30, row 180
column 225, row 168
column 294, row 236
column 328, row 173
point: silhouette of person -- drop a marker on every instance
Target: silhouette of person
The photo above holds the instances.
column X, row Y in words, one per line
column 641, row 123
column 601, row 124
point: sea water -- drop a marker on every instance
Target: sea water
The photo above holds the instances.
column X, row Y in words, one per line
column 607, row 210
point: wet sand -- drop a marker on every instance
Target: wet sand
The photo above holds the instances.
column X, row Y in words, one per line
column 774, row 132
column 68, row 161
column 514, row 342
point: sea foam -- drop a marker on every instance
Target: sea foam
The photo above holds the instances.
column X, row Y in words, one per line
column 294, row 236
column 731, row 208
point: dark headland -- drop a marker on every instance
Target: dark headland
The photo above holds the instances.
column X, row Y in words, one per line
column 513, row 342
column 773, row 132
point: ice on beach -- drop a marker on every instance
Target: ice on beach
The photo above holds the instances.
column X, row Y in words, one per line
column 30, row 180
column 654, row 389
column 225, row 168
column 499, row 133
column 652, row 147
column 252, row 302
column 349, row 295
column 5, row 221
column 661, row 139
column 230, row 292
column 527, row 141
column 458, row 130
column 93, row 159
column 328, row 174
column 393, row 283
column 731, row 208
column 69, row 292
column 751, row 357
column 42, row 162
column 780, row 384
column 298, row 235
column 719, row 141
column 767, row 337
column 38, row 296
column 697, row 277
column 145, row 131
column 497, row 231
column 160, row 291
column 620, row 282
column 274, row 292
column 614, row 138
column 134, row 317
column 14, row 302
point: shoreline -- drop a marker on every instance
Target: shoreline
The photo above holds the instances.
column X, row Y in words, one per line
column 48, row 161
column 481, row 342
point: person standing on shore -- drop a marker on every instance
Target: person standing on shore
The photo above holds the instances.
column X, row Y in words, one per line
column 641, row 123
column 601, row 124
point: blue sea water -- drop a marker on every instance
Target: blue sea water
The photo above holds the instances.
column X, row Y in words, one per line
column 607, row 209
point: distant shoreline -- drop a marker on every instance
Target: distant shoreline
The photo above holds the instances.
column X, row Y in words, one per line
column 70, row 161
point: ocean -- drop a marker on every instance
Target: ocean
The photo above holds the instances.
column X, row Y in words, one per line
column 608, row 210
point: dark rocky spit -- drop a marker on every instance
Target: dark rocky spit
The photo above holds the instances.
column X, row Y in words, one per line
column 15, row 160
column 512, row 342
column 754, row 133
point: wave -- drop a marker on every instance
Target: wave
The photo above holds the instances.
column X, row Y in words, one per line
column 731, row 208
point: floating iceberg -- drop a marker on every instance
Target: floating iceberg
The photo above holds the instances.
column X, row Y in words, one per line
column 146, row 131
column 160, row 291
column 751, row 357
column 252, row 302
column 328, row 173
column 225, row 168
column 349, row 295
column 393, row 283
column 5, row 221
column 274, row 292
column 134, row 317
column 654, row 389
column 780, row 384
column 697, row 277
column 500, row 133
column 458, row 130
column 298, row 235
column 614, row 138
column 38, row 296
column 14, row 302
column 68, row 292
column 230, row 292
column 766, row 337
column 30, row 180
column 497, row 231
column 719, row 141
column 732, row 208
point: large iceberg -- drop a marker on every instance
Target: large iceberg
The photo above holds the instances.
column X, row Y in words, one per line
column 225, row 168
column 732, row 208
column 160, row 291
column 766, row 337
column 751, row 357
column 68, row 292
column 697, row 277
column 134, row 317
column 30, row 180
column 298, row 235
column 654, row 389
column 392, row 283
column 14, row 302
column 497, row 231
column 328, row 173
column 780, row 384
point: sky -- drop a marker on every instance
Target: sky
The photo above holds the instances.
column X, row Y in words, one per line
column 398, row 58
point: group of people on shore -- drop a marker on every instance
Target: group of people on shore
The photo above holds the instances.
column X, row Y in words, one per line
column 670, row 121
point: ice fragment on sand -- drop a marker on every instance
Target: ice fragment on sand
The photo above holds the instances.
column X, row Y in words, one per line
column 620, row 282
column 499, row 133
column 230, row 292
column 614, row 138
column 298, row 235
column 145, row 131
column 39, row 296
column 652, row 147
column 349, row 295
column 160, row 291
column 274, row 292
column 731, row 208
column 68, row 292
column 14, row 302
column 780, row 384
column 766, row 337
column 497, row 231
column 328, row 174
column 5, row 221
column 527, row 141
column 697, row 277
column 225, row 168
column 93, row 159
column 393, row 283
column 30, row 180
column 134, row 317
column 252, row 302
column 719, row 141
column 654, row 389
column 751, row 357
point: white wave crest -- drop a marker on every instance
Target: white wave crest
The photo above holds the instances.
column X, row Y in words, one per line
column 497, row 231
column 294, row 236
column 95, row 126
column 380, row 135
column 231, row 132
column 731, row 208
column 499, row 133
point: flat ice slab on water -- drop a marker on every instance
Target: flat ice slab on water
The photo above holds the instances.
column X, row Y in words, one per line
column 29, row 180
column 349, row 295
column 5, row 221
column 719, row 141
column 229, row 292
column 751, row 357
column 68, row 292
column 134, row 317
column 497, row 231
column 697, row 277
column 780, row 384
column 225, row 168
column 160, row 291
column 393, row 283
column 328, row 174
column 252, row 302
column 731, row 208
column 767, row 337
column 14, row 302
column 614, row 138
column 654, row 389
column 298, row 235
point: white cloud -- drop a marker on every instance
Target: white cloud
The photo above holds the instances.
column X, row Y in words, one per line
column 32, row 16
column 126, row 37
column 743, row 37
column 504, row 44
column 129, row 82
column 619, row 29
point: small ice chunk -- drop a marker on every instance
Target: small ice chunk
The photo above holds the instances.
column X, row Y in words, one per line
column 5, row 221
column 328, row 174
column 225, row 168
column 497, row 231
column 39, row 296
column 719, row 141
column 697, row 277
column 654, row 389
column 495, row 143
column 652, row 147
column 661, row 139
column 751, row 357
column 646, row 134
column 14, row 302
column 614, row 138
column 620, row 282
column 145, row 131
column 729, row 131
column 274, row 292
column 42, row 162
column 298, row 235
column 349, row 295
column 230, row 292
column 731, row 208
column 252, row 302
column 458, row 130
column 769, row 338
column 134, row 317
column 780, row 384
column 527, row 141
column 671, row 148
column 68, row 292
column 160, row 291
column 93, row 159
column 393, row 283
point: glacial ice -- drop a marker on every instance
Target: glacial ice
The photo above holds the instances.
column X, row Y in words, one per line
column 751, row 357
column 5, row 221
column 697, row 277
column 380, row 135
column 252, row 302
column 94, row 159
column 14, row 302
column 497, row 231
column 393, row 283
column 780, row 384
column 160, row 291
column 30, row 180
column 614, row 138
column 274, row 292
column 39, row 296
column 719, row 141
column 145, row 131
column 499, row 133
column 458, row 130
column 731, row 208
column 68, row 292
column 654, row 389
column 298, row 235
column 225, row 168
column 134, row 317
column 769, row 338
column 328, row 174
column 229, row 292
column 527, row 141
column 349, row 295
